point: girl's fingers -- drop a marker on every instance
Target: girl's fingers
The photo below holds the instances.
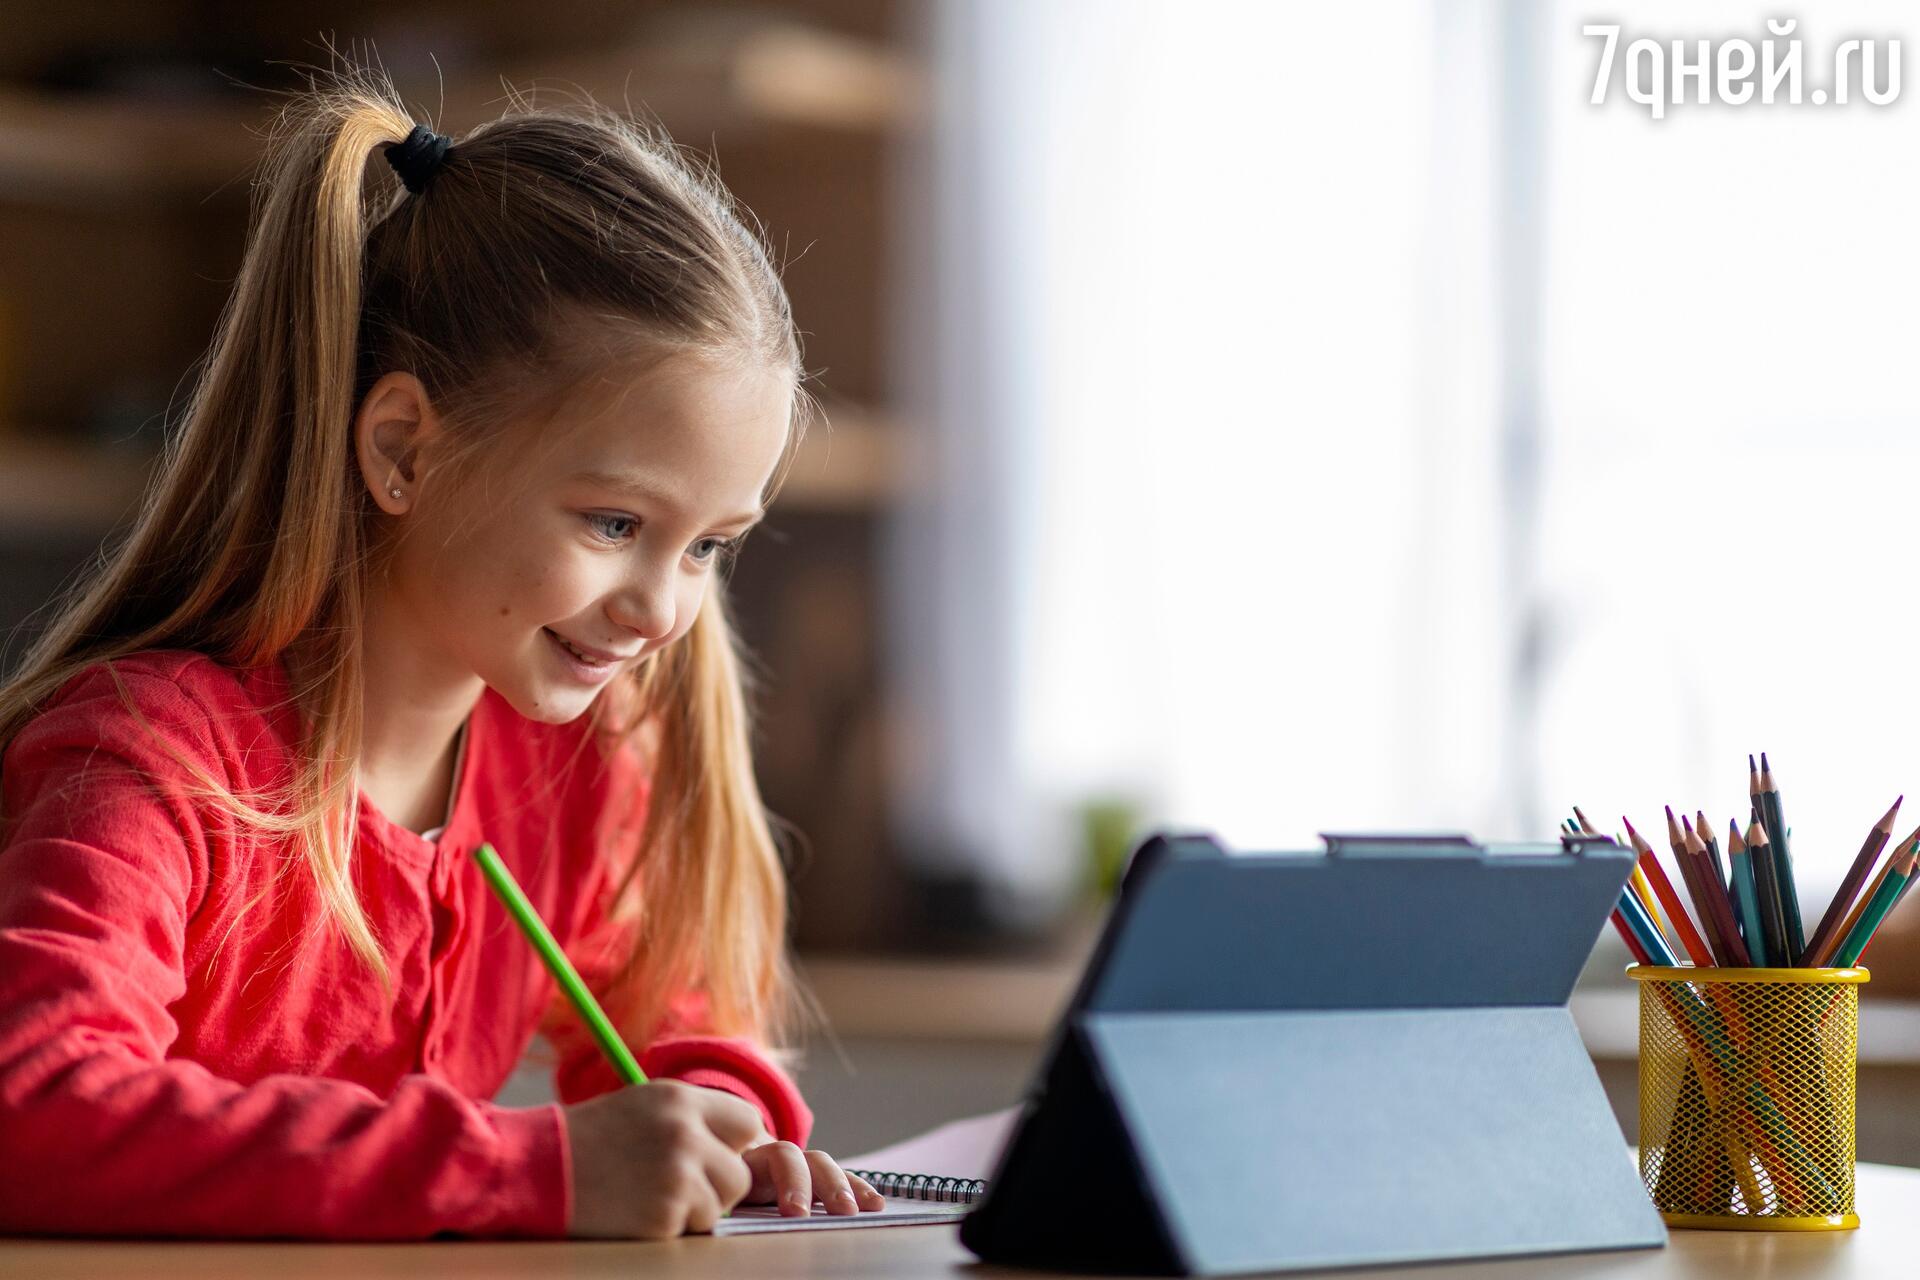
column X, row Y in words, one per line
column 730, row 1176
column 792, row 1183
column 703, row 1212
column 830, row 1185
column 863, row 1191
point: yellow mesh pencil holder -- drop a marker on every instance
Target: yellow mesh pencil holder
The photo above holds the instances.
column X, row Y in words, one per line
column 1747, row 1095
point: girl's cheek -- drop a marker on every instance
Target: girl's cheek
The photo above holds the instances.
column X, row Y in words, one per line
column 688, row 608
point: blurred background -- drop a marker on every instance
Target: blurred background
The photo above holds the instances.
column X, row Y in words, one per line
column 1246, row 417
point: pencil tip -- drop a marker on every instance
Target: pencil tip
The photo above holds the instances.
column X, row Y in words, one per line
column 1686, row 824
column 1750, row 764
column 1764, row 766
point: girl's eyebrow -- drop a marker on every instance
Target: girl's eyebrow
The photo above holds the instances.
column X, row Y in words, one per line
column 634, row 483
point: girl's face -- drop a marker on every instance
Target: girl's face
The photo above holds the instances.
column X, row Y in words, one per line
column 587, row 543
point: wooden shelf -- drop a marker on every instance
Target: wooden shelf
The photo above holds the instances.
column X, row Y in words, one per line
column 53, row 487
column 85, row 149
column 701, row 78
column 898, row 998
column 853, row 461
column 721, row 73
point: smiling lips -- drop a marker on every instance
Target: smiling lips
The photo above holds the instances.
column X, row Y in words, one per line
column 592, row 657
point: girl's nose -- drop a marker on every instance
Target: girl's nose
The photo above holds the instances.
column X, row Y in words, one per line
column 645, row 606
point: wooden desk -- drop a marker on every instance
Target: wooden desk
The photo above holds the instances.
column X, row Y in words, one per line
column 1885, row 1246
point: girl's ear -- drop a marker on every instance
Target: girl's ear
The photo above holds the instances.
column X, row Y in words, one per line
column 391, row 434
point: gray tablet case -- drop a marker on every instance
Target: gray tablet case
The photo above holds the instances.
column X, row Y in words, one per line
column 1360, row 1057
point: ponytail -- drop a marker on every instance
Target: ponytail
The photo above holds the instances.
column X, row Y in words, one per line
column 262, row 460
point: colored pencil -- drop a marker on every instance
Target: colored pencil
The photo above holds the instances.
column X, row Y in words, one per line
column 1627, row 935
column 1767, row 888
column 1717, row 909
column 1644, row 929
column 1744, row 894
column 1637, row 881
column 1899, row 871
column 1912, row 843
column 1580, row 826
column 1691, row 876
column 1898, row 898
column 1856, row 876
column 1690, row 939
column 1853, row 917
column 1707, row 838
column 1777, row 835
column 528, row 918
column 1908, row 886
column 1696, row 892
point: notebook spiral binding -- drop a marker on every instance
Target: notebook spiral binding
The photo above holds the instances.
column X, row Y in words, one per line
column 922, row 1186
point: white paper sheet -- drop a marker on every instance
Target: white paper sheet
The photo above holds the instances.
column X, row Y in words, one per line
column 958, row 1149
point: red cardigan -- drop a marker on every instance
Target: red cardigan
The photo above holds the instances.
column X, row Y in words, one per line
column 176, row 1059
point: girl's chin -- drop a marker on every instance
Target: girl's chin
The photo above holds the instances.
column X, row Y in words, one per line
column 550, row 705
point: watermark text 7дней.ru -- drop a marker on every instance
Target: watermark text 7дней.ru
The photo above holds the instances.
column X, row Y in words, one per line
column 1736, row 71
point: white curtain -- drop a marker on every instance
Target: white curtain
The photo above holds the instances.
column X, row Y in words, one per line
column 1734, row 434
column 1211, row 375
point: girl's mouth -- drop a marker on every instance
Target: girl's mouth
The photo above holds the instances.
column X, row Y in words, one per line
column 587, row 669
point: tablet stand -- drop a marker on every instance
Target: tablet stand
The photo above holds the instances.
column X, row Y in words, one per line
column 1325, row 1060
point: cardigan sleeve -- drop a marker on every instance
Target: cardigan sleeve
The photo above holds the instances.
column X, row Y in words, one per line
column 105, row 856
column 683, row 1048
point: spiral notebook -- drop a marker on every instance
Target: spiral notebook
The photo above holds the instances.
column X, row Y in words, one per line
column 949, row 1155
column 912, row 1199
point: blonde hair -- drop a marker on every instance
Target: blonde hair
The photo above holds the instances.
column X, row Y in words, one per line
column 540, row 228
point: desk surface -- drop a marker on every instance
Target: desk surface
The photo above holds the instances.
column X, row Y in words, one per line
column 1884, row 1246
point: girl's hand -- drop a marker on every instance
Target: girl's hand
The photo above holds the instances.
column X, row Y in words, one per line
column 656, row 1160
column 783, row 1174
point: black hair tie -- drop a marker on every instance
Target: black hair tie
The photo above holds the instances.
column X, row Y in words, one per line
column 418, row 158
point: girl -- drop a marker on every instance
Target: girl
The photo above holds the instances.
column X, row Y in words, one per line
column 432, row 560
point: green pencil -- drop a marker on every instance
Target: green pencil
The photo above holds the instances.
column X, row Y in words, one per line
column 1901, row 870
column 1777, row 834
column 1746, row 897
column 558, row 965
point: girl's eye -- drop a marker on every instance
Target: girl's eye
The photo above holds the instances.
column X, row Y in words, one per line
column 618, row 529
column 600, row 522
column 722, row 548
